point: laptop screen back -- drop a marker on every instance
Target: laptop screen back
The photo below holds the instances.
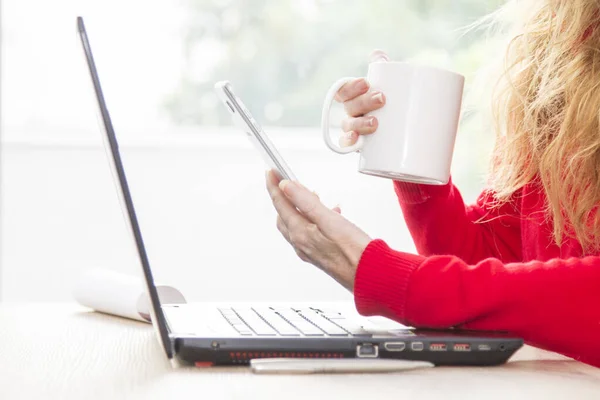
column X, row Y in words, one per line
column 114, row 158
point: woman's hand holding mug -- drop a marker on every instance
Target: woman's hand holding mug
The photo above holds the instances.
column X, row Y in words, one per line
column 415, row 110
column 359, row 100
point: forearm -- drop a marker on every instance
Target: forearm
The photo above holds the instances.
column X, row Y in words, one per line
column 441, row 223
column 542, row 302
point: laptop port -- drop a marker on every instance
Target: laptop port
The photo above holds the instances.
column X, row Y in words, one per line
column 462, row 347
column 438, row 347
column 484, row 347
column 367, row 350
column 417, row 346
column 394, row 346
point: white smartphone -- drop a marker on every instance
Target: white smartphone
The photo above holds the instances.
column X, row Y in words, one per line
column 244, row 120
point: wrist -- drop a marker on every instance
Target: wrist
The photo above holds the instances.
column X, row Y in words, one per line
column 343, row 267
column 354, row 250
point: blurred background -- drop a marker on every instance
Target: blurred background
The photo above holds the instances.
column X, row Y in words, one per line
column 197, row 183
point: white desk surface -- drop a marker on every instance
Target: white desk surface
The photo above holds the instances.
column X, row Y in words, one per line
column 62, row 351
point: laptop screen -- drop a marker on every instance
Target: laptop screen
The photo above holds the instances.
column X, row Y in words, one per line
column 114, row 158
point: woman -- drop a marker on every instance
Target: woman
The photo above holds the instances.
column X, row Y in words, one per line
column 526, row 257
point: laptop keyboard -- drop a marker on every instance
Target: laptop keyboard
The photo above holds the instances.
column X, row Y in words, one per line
column 271, row 321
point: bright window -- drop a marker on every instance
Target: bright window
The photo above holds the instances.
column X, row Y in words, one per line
column 197, row 183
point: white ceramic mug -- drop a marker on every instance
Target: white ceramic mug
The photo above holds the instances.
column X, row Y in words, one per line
column 415, row 137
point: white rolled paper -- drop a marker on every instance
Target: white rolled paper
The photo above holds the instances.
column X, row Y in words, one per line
column 113, row 293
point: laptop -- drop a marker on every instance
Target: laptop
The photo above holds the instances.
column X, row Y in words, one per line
column 210, row 335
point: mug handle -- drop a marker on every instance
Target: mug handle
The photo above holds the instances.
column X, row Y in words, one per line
column 325, row 121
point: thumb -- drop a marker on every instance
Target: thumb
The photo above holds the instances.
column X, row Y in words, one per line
column 329, row 221
column 378, row 55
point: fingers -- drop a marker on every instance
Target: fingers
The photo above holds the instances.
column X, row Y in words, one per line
column 359, row 86
column 352, row 89
column 364, row 104
column 358, row 101
column 328, row 221
column 288, row 213
column 304, row 236
column 300, row 209
column 308, row 204
column 356, row 126
column 360, row 125
column 348, row 139
column 272, row 179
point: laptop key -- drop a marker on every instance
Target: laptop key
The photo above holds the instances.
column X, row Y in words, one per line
column 227, row 312
column 305, row 327
column 351, row 326
column 242, row 329
column 355, row 329
column 255, row 322
column 329, row 327
column 236, row 323
column 244, row 332
column 329, row 314
column 276, row 321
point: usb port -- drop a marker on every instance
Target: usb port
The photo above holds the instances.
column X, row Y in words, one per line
column 484, row 347
column 416, row 346
column 462, row 347
column 438, row 347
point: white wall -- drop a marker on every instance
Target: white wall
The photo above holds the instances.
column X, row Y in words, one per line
column 204, row 211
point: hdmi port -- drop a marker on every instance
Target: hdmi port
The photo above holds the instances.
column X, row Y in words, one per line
column 394, row 346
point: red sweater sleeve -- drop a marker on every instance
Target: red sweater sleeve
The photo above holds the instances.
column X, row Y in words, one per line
column 552, row 304
column 441, row 223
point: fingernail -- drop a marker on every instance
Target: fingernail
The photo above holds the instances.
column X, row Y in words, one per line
column 378, row 97
column 285, row 185
column 351, row 136
column 371, row 121
column 362, row 84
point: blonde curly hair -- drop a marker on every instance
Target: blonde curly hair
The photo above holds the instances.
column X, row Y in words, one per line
column 546, row 110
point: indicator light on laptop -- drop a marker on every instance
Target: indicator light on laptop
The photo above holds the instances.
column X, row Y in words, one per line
column 438, row 347
column 204, row 364
column 461, row 347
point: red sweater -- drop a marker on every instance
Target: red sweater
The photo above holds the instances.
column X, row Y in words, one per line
column 486, row 268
